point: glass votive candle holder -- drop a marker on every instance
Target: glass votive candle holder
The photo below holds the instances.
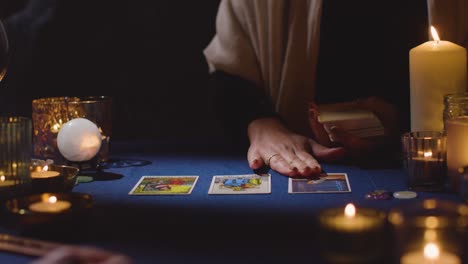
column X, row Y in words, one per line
column 457, row 150
column 47, row 212
column 15, row 156
column 430, row 231
column 53, row 178
column 464, row 184
column 424, row 160
column 51, row 114
column 352, row 235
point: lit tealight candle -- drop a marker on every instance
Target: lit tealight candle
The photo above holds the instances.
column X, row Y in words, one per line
column 50, row 204
column 79, row 140
column 437, row 68
column 431, row 254
column 352, row 221
column 345, row 235
column 4, row 182
column 44, row 173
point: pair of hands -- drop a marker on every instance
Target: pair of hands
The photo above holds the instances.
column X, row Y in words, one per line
column 294, row 155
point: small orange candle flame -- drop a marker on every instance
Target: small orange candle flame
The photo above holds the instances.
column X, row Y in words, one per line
column 428, row 154
column 431, row 251
column 350, row 210
column 435, row 36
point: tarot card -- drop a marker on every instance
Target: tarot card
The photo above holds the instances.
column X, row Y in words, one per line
column 240, row 184
column 164, row 185
column 325, row 183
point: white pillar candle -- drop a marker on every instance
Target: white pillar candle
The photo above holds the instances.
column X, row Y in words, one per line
column 437, row 68
column 457, row 149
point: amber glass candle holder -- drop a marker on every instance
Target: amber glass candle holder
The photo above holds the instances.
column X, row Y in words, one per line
column 50, row 114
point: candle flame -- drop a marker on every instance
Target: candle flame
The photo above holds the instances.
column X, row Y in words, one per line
column 350, row 210
column 46, row 168
column 435, row 36
column 52, row 199
column 2, row 178
column 428, row 154
column 431, row 251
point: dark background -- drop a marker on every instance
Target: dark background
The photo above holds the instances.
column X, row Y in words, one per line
column 148, row 56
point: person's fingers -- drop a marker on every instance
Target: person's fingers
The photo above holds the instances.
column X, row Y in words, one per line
column 348, row 140
column 312, row 167
column 254, row 159
column 320, row 134
column 262, row 162
column 58, row 256
column 323, row 153
column 117, row 259
column 282, row 166
column 96, row 255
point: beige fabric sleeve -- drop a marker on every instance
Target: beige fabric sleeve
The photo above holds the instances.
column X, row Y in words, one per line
column 273, row 43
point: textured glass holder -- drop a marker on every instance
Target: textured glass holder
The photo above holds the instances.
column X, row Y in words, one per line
column 15, row 156
column 50, row 114
column 424, row 160
column 456, row 128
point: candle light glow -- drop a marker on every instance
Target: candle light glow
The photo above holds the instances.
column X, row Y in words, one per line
column 431, row 251
column 44, row 173
column 50, row 204
column 350, row 211
column 349, row 220
column 4, row 182
column 431, row 254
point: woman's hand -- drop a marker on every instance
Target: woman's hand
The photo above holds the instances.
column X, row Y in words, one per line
column 290, row 154
column 358, row 148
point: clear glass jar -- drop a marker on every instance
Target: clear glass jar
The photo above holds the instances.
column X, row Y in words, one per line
column 455, row 105
column 456, row 129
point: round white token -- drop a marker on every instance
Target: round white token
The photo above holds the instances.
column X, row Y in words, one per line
column 405, row 195
column 79, row 140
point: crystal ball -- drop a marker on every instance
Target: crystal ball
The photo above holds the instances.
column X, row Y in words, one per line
column 79, row 140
